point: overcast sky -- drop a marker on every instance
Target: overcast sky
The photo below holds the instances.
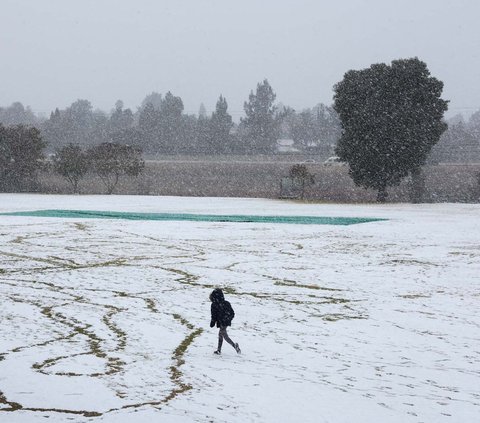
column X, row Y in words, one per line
column 53, row 52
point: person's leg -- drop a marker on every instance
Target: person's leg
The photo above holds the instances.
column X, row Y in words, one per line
column 220, row 340
column 223, row 332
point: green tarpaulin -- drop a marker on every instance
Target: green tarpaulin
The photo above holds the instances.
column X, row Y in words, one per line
column 304, row 220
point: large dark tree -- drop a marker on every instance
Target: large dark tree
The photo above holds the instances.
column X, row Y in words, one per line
column 391, row 116
column 260, row 127
column 21, row 154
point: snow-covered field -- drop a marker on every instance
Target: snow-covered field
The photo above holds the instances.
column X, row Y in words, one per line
column 108, row 320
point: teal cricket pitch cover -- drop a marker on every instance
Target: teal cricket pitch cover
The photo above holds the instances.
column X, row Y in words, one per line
column 90, row 214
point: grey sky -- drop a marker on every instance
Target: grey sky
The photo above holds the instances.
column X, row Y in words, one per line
column 53, row 52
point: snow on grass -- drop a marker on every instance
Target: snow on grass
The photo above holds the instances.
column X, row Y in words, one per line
column 107, row 320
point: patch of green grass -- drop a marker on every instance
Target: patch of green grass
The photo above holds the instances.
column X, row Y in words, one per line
column 80, row 226
column 287, row 282
column 116, row 262
column 179, row 353
column 411, row 262
column 120, row 334
column 13, row 406
column 183, row 321
column 174, row 370
column 178, row 358
column 113, row 364
column 186, row 278
column 335, row 300
column 64, row 411
column 151, row 305
column 334, row 317
column 24, row 257
column 414, row 296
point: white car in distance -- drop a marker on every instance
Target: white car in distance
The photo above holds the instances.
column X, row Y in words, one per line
column 334, row 160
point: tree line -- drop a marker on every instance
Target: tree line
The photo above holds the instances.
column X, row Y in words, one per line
column 384, row 122
column 22, row 157
column 161, row 126
column 460, row 143
column 79, row 139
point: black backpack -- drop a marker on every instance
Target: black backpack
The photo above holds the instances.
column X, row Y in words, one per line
column 229, row 314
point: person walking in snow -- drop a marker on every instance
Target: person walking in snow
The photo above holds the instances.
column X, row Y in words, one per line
column 222, row 315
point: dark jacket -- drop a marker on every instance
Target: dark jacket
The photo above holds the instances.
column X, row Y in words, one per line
column 222, row 311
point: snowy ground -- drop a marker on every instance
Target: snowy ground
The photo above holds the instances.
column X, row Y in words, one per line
column 107, row 320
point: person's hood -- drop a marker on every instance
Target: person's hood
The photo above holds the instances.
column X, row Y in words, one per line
column 217, row 295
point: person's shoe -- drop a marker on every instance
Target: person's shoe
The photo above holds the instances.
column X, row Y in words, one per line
column 237, row 349
column 217, row 352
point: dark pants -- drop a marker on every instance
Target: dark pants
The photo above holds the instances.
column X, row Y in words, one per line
column 222, row 334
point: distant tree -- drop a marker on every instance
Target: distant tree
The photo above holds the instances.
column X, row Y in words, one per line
column 100, row 128
column 171, row 123
column 456, row 120
column 316, row 129
column 77, row 124
column 120, row 119
column 155, row 99
column 301, row 177
column 165, row 128
column 304, row 130
column 202, row 131
column 328, row 125
column 54, row 130
column 286, row 117
column 130, row 136
column 473, row 126
column 202, row 111
column 71, row 162
column 391, row 117
column 219, row 127
column 79, row 117
column 260, row 126
column 111, row 161
column 187, row 136
column 202, row 134
column 149, row 126
column 17, row 114
column 457, row 144
column 21, row 155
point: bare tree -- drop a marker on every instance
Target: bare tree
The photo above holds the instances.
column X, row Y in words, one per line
column 71, row 162
column 301, row 177
column 111, row 161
